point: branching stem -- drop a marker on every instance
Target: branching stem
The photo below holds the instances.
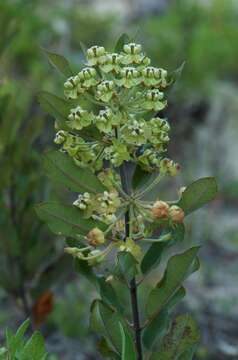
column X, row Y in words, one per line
column 133, row 285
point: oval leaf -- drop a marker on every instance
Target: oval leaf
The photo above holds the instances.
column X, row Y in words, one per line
column 128, row 349
column 182, row 339
column 55, row 106
column 62, row 169
column 127, row 265
column 59, row 62
column 65, row 219
column 176, row 272
column 198, row 194
column 156, row 329
column 123, row 39
column 105, row 321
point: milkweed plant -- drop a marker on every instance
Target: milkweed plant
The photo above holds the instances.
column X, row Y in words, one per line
column 112, row 153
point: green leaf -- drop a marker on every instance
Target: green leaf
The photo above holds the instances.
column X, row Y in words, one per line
column 106, row 351
column 178, row 296
column 176, row 272
column 62, row 169
column 65, row 219
column 123, row 39
column 127, row 265
column 128, row 349
column 22, row 329
column 34, row 348
column 15, row 342
column 158, row 325
column 153, row 256
column 156, row 329
column 104, row 321
column 108, row 294
column 55, row 106
column 175, row 75
column 181, row 340
column 198, row 194
column 59, row 62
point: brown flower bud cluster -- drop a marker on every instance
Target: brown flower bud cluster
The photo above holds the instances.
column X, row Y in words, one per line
column 162, row 210
column 95, row 237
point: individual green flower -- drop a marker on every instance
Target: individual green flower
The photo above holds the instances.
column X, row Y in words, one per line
column 133, row 54
column 77, row 148
column 149, row 160
column 96, row 55
column 73, row 144
column 112, row 63
column 109, row 177
column 85, row 155
column 154, row 100
column 88, row 76
column 154, row 77
column 79, row 118
column 108, row 203
column 135, row 132
column 106, row 120
column 116, row 153
column 82, row 201
column 105, row 90
column 169, row 167
column 159, row 132
column 60, row 137
column 129, row 77
column 72, row 87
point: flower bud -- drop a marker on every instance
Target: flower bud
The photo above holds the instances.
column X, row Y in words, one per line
column 132, row 48
column 95, row 51
column 87, row 77
column 112, row 63
column 160, row 210
column 105, row 90
column 176, row 214
column 72, row 87
column 96, row 237
column 87, row 73
column 96, row 55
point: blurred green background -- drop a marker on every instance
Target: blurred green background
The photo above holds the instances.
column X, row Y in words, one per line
column 36, row 279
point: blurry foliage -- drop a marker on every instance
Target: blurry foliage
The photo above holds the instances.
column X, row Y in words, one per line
column 30, row 261
column 204, row 35
column 77, row 299
column 18, row 347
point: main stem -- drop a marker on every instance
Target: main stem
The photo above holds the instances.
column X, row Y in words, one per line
column 133, row 286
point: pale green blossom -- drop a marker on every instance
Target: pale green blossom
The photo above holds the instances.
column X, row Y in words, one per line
column 129, row 77
column 154, row 100
column 79, row 118
column 105, row 90
column 96, row 55
column 112, row 63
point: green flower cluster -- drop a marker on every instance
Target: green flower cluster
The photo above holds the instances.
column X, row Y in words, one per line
column 101, row 206
column 123, row 94
column 128, row 93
